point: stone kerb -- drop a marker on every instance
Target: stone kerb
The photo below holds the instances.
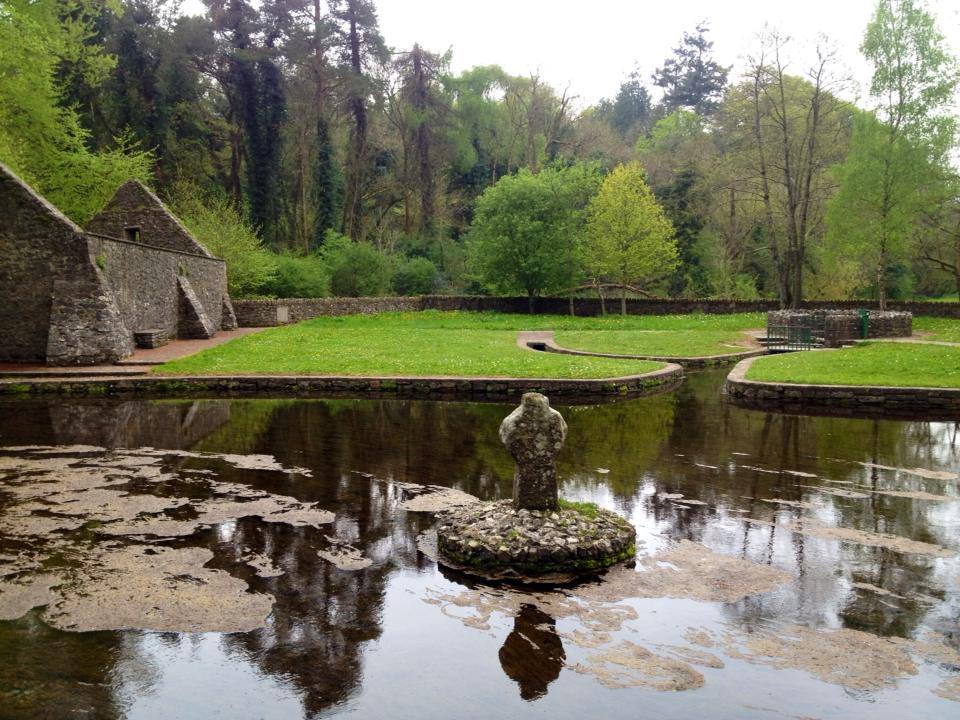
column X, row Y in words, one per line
column 853, row 400
column 475, row 388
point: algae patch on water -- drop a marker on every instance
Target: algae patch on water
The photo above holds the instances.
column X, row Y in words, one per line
column 87, row 522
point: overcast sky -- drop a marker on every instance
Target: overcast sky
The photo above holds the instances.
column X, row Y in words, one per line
column 591, row 45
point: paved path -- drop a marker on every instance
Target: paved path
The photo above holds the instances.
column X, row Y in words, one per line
column 544, row 340
column 137, row 364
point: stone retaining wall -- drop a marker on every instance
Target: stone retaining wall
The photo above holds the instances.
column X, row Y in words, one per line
column 478, row 388
column 914, row 402
column 842, row 325
column 280, row 311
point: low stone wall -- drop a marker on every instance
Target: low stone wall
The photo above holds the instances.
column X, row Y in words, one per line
column 478, row 388
column 841, row 325
column 912, row 402
column 280, row 311
column 267, row 313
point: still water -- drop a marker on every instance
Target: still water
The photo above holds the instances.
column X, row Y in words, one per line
column 871, row 625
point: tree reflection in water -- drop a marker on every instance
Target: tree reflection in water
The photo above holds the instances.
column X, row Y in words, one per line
column 687, row 442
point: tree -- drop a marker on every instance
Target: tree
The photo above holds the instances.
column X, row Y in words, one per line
column 527, row 230
column 327, row 185
column 692, row 78
column 629, row 111
column 676, row 155
column 42, row 140
column 630, row 239
column 361, row 44
column 903, row 149
column 420, row 112
column 799, row 128
column 939, row 245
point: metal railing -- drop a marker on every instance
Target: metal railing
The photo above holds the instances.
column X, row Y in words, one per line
column 790, row 338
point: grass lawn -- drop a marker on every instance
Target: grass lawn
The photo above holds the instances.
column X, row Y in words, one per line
column 944, row 329
column 407, row 344
column 875, row 363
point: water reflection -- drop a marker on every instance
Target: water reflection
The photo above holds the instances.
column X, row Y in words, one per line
column 532, row 655
column 681, row 466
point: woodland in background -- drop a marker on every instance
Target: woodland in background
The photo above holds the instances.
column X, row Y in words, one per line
column 316, row 159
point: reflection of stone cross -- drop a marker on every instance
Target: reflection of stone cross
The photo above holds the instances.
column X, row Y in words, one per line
column 533, row 435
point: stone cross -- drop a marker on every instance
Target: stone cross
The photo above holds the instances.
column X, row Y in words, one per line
column 533, row 434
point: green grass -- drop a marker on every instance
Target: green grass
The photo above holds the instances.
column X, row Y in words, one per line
column 400, row 344
column 943, row 329
column 587, row 509
column 661, row 343
column 874, row 363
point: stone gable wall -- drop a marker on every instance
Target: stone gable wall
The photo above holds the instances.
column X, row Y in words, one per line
column 54, row 301
column 134, row 205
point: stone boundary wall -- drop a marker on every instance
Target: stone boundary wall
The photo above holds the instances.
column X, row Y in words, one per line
column 143, row 279
column 280, row 311
column 476, row 388
column 842, row 326
column 913, row 402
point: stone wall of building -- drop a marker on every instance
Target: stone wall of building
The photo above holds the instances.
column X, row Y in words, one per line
column 137, row 215
column 146, row 282
column 55, row 304
column 73, row 297
column 280, row 311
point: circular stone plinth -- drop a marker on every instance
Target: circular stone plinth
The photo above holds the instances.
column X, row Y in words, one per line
column 494, row 540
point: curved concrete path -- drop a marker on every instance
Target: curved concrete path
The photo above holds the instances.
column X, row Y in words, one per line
column 543, row 340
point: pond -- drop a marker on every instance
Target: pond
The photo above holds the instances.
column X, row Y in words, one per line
column 792, row 566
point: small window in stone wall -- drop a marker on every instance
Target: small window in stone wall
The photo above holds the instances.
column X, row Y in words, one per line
column 132, row 233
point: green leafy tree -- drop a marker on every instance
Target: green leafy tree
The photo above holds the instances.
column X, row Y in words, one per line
column 527, row 230
column 899, row 152
column 676, row 155
column 629, row 111
column 362, row 45
column 631, row 241
column 41, row 139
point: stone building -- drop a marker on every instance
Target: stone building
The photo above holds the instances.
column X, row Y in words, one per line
column 73, row 296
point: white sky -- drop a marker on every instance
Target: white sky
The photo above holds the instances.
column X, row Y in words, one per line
column 591, row 46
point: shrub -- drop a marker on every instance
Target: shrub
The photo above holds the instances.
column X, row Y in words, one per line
column 299, row 277
column 356, row 269
column 221, row 229
column 415, row 276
